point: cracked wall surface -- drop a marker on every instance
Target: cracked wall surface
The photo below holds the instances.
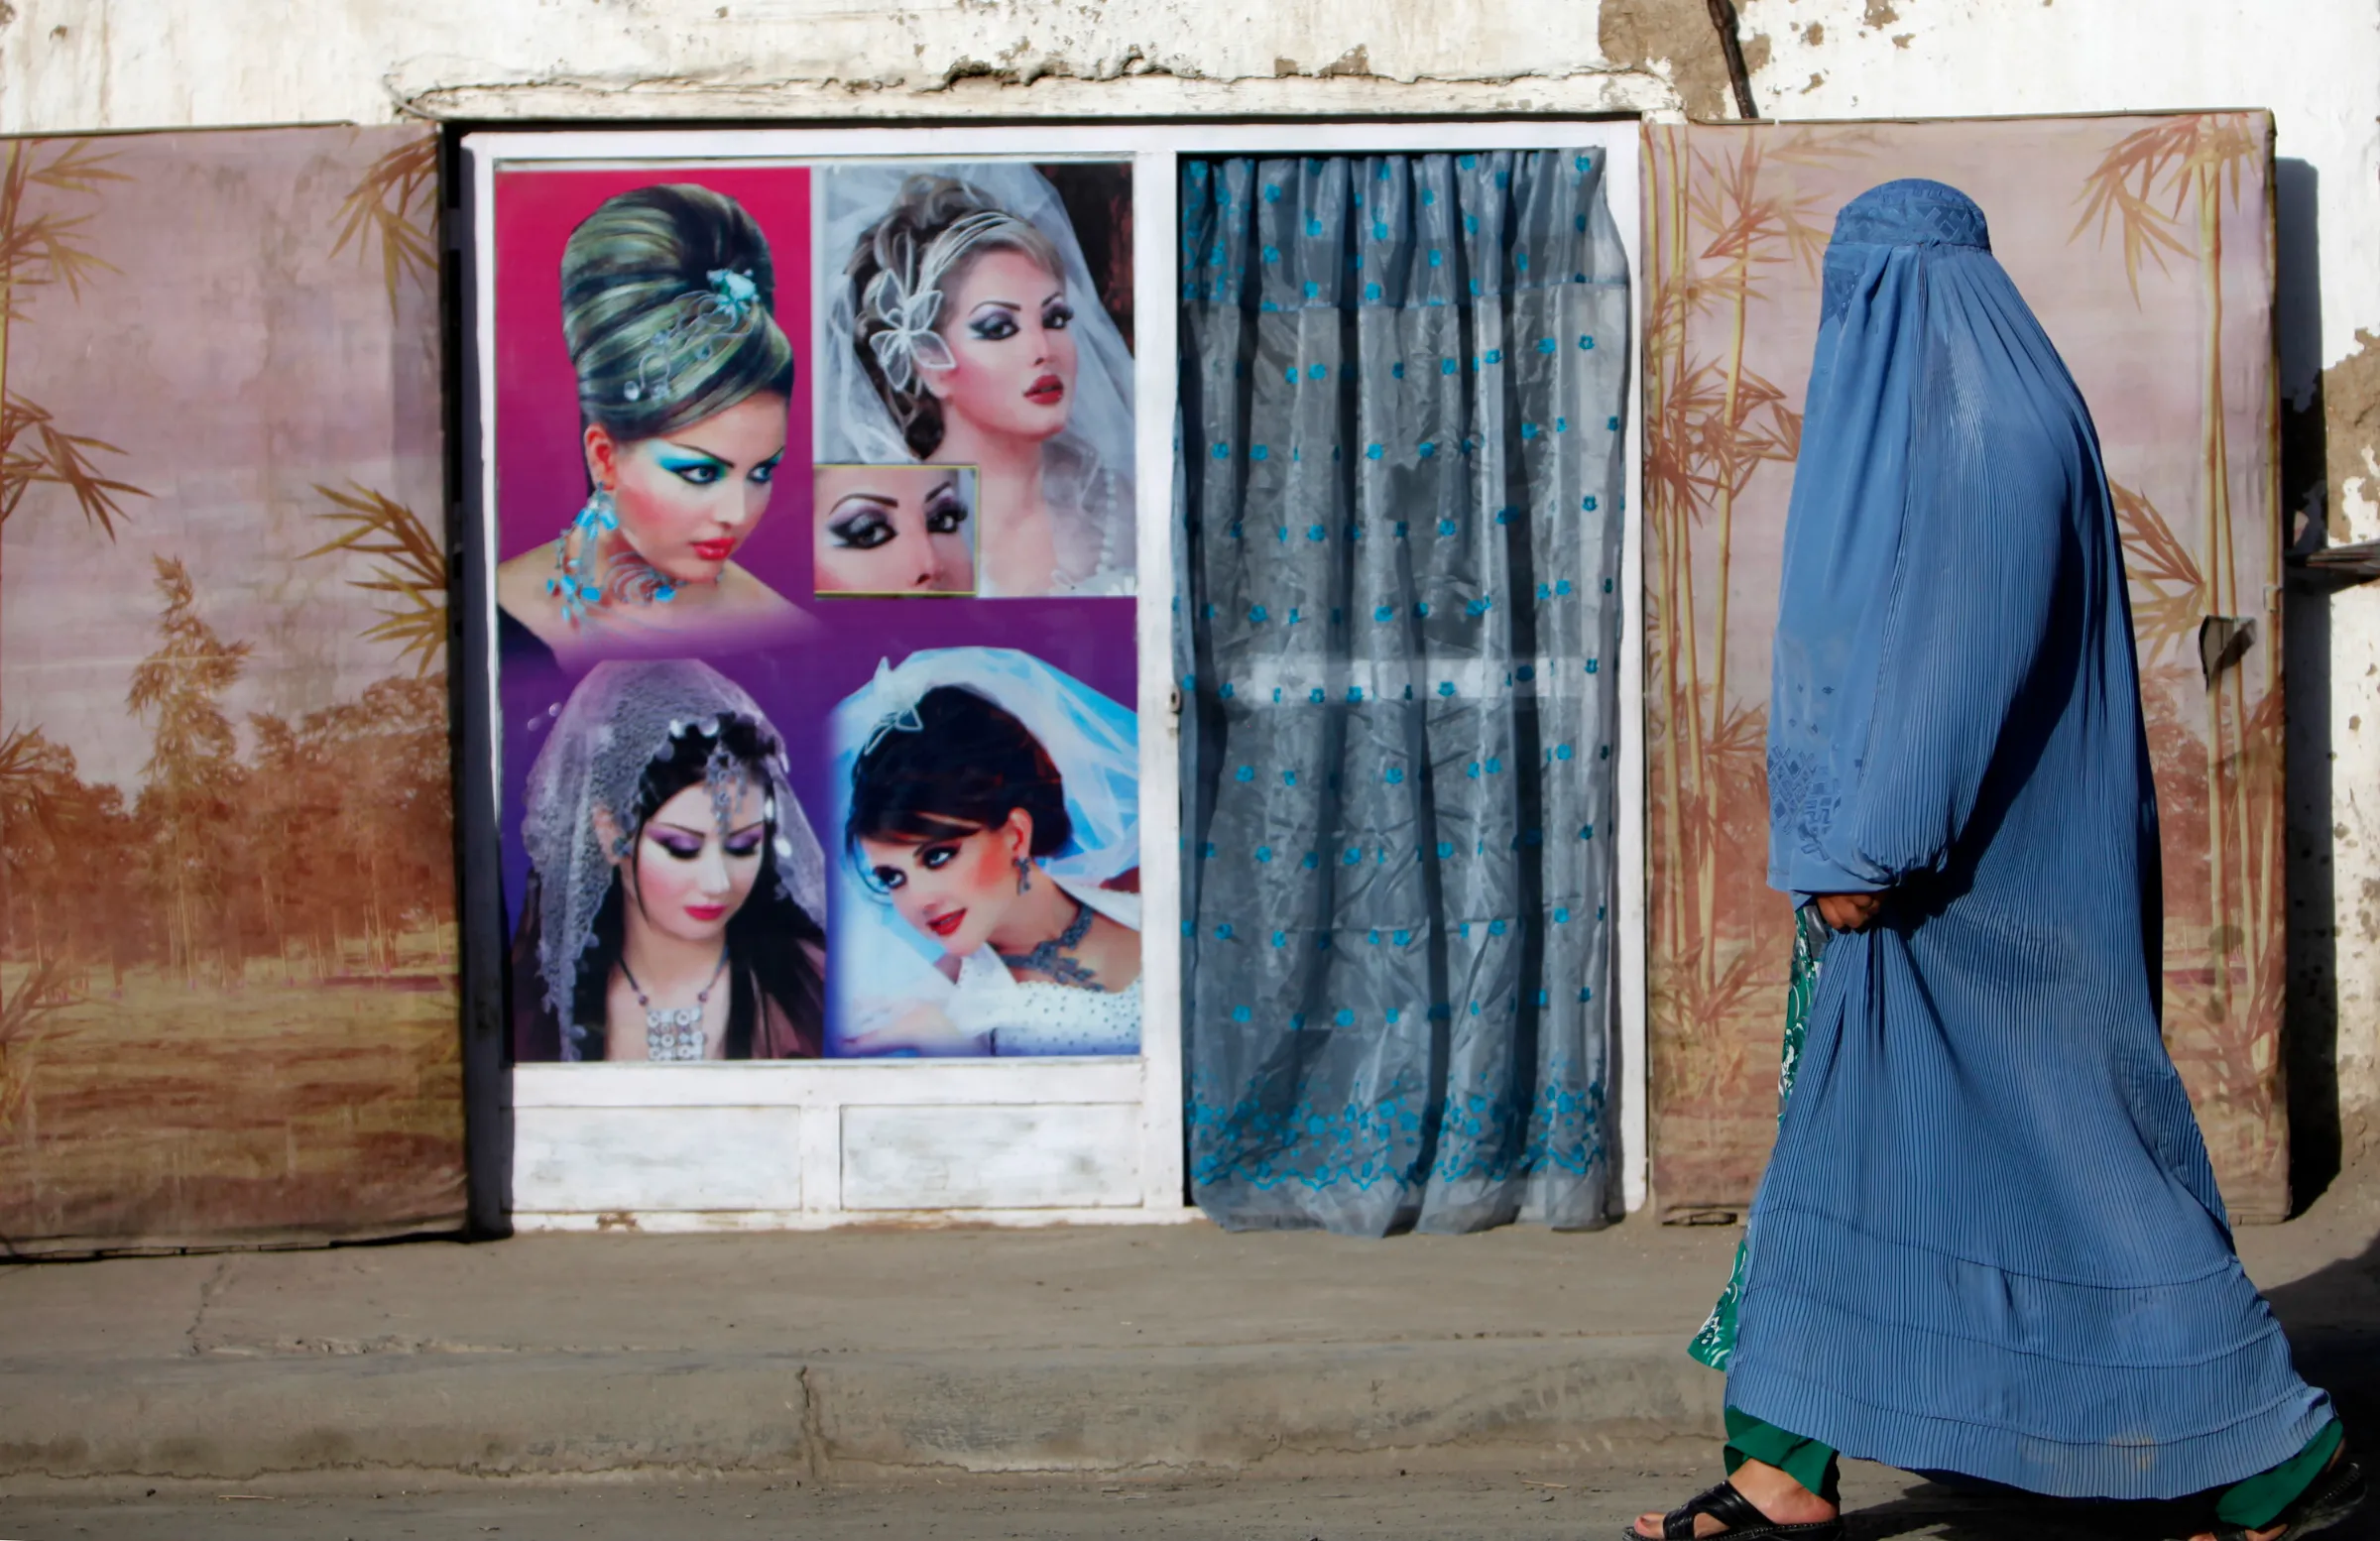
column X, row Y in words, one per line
column 1674, row 39
column 69, row 65
column 129, row 63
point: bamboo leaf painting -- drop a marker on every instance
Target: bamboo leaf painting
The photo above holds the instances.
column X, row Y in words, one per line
column 2149, row 230
column 40, row 245
column 412, row 570
column 2166, row 587
column 391, row 213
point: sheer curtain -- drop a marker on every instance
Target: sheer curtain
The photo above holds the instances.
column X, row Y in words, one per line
column 1402, row 477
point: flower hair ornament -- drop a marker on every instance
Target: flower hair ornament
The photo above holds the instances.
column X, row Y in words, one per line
column 720, row 315
column 907, row 294
column 901, row 708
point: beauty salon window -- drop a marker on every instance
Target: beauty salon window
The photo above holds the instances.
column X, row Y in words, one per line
column 885, row 538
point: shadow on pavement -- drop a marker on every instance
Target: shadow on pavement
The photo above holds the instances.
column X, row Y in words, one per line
column 2335, row 1331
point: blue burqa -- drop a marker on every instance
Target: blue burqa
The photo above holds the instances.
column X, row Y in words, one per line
column 1990, row 1241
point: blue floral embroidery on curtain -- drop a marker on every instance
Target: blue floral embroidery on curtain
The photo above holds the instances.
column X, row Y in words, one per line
column 1400, row 703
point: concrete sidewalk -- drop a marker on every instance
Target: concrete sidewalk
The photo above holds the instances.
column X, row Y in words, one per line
column 852, row 1355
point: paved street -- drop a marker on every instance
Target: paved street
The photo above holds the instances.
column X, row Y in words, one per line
column 1591, row 1504
column 863, row 1356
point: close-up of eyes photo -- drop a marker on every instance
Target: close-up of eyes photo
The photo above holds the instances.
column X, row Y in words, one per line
column 894, row 530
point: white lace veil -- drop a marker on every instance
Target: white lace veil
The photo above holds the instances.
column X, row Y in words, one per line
column 619, row 720
column 1087, row 469
column 879, row 964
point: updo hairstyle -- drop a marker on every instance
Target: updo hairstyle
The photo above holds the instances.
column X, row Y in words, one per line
column 900, row 241
column 964, row 768
column 643, row 264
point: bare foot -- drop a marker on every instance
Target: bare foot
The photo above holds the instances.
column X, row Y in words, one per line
column 1770, row 1490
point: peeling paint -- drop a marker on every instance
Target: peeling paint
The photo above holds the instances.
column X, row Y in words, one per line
column 1354, row 61
column 2351, row 423
column 1674, row 39
column 1145, row 90
column 1880, row 15
column 508, row 60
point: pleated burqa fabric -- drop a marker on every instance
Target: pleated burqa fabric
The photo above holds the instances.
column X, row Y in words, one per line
column 1990, row 1241
column 1404, row 388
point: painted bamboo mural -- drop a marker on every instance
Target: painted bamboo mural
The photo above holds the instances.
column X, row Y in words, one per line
column 392, row 213
column 2171, row 190
column 46, row 192
column 44, row 246
column 409, row 578
column 227, row 951
column 1729, row 225
column 2143, row 244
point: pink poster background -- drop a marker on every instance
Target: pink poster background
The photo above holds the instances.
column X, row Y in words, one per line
column 541, row 470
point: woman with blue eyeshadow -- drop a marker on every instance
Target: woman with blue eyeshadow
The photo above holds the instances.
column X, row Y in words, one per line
column 684, row 381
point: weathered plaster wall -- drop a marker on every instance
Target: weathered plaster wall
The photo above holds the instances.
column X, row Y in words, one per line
column 141, row 62
column 132, row 64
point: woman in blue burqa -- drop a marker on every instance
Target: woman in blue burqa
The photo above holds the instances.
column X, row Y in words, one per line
column 1990, row 1241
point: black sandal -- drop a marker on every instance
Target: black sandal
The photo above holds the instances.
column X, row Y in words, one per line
column 2335, row 1495
column 1743, row 1520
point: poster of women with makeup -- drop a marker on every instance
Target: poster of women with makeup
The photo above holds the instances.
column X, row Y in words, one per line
column 762, row 437
column 988, row 870
column 980, row 315
column 662, row 876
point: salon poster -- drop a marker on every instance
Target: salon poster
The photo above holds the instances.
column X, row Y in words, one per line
column 813, row 522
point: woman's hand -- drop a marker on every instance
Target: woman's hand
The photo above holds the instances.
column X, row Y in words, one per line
column 925, row 1030
column 1849, row 911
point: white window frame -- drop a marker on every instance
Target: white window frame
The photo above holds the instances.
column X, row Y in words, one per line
column 559, row 1109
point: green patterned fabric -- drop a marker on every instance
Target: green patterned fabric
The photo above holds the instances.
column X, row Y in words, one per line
column 1716, row 1340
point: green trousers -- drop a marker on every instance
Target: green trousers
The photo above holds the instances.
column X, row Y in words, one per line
column 2251, row 1505
column 1805, row 1461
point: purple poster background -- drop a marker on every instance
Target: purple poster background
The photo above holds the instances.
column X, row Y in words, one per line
column 1090, row 639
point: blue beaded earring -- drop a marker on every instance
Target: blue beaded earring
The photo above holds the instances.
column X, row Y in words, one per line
column 599, row 514
column 575, row 572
